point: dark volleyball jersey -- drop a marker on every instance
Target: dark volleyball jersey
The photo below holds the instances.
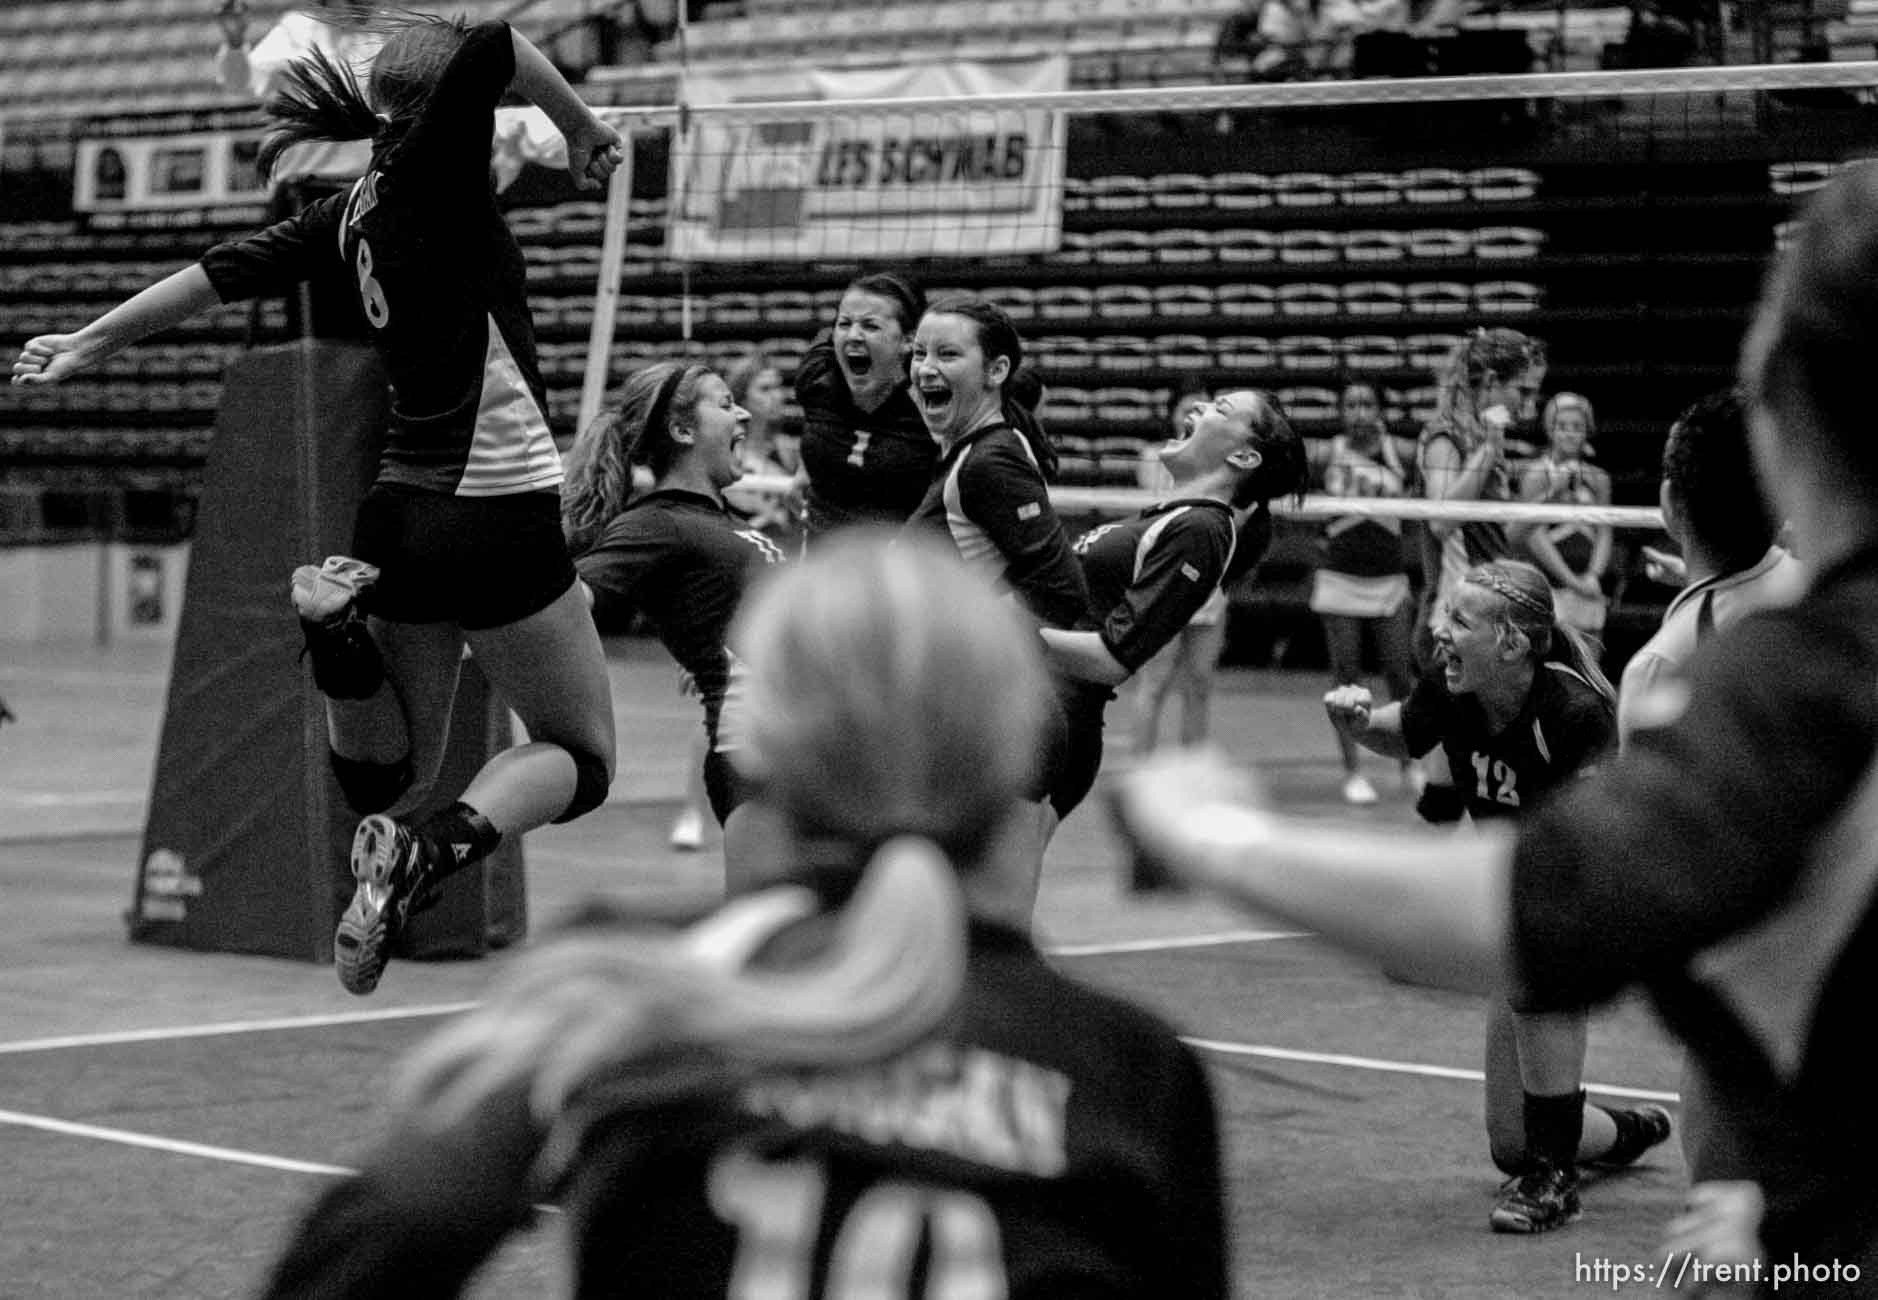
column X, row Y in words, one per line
column 1698, row 834
column 683, row 560
column 1148, row 576
column 989, row 500
column 864, row 466
column 1052, row 1143
column 1563, row 728
column 442, row 283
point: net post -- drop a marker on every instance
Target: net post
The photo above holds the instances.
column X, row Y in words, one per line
column 606, row 294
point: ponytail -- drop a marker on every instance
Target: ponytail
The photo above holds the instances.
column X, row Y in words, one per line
column 1023, row 394
column 318, row 99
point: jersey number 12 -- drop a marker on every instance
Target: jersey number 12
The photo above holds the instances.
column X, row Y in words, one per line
column 776, row 1207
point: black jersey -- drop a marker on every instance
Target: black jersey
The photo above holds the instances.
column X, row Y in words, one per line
column 1052, row 1142
column 442, row 283
column 864, row 466
column 1148, row 576
column 1559, row 734
column 989, row 500
column 683, row 560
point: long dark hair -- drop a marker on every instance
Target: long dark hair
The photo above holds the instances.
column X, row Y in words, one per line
column 632, row 431
column 1022, row 388
column 321, row 99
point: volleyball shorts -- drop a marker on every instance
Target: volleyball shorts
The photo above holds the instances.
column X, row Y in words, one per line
column 478, row 562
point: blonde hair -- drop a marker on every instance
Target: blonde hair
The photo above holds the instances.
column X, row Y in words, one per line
column 1562, row 402
column 1483, row 357
column 890, row 692
column 1526, row 607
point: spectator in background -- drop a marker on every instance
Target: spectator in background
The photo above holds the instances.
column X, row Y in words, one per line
column 1361, row 590
column 1184, row 669
column 1573, row 556
column 866, row 454
column 1714, row 510
column 769, row 449
column 336, row 31
column 1487, row 385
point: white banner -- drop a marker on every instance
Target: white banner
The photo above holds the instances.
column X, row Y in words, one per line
column 931, row 183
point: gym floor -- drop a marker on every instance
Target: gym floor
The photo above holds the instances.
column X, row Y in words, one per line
column 165, row 1113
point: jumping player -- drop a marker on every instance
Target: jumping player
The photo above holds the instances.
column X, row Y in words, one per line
column 1039, row 1138
column 459, row 538
column 677, row 553
column 865, row 456
column 1148, row 575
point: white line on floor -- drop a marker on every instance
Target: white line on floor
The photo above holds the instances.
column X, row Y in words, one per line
column 66, row 799
column 1395, row 1067
column 150, row 1142
column 117, row 1037
column 1173, row 943
column 286, row 1023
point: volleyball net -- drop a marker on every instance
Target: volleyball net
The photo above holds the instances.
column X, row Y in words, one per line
column 1147, row 243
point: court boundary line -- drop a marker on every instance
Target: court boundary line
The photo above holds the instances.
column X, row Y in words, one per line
column 286, row 1164
column 170, row 1146
column 328, row 1020
column 1376, row 1065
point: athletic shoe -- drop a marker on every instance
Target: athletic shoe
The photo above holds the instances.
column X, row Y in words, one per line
column 1538, row 1201
column 324, row 593
column 346, row 662
column 392, row 867
column 1357, row 789
column 688, row 831
column 1638, row 1131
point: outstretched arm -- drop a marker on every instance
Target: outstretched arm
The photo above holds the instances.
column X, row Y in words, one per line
column 51, row 357
column 593, row 147
column 1433, row 907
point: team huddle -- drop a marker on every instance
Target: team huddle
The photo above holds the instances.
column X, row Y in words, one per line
column 860, row 1077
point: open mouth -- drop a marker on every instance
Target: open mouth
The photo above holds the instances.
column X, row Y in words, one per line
column 934, row 401
column 858, row 361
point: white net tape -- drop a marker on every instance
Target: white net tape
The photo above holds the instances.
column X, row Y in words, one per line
column 1120, row 501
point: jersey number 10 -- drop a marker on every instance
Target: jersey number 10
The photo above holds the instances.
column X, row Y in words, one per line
column 776, row 1207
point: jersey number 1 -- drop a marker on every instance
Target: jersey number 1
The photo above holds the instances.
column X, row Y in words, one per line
column 776, row 1207
column 371, row 293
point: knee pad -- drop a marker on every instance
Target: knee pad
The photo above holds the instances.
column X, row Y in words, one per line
column 346, row 661
column 1441, row 804
column 371, row 787
column 593, row 777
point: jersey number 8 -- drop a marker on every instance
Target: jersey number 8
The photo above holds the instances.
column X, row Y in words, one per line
column 371, row 293
column 776, row 1207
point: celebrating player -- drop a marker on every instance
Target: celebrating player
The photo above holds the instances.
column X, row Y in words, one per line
column 1149, row 575
column 459, row 538
column 676, row 553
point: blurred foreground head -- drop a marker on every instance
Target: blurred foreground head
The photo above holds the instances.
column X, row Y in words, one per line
column 1806, row 361
column 891, row 692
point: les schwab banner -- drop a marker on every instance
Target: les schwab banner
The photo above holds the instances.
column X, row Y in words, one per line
column 926, row 183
